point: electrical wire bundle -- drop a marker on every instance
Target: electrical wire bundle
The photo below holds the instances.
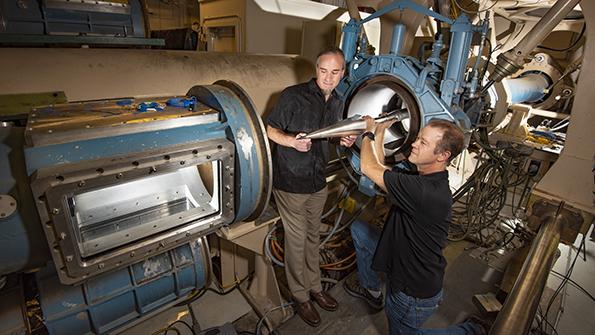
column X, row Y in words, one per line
column 481, row 198
column 542, row 317
column 337, row 255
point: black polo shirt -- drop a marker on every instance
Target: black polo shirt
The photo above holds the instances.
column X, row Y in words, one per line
column 411, row 243
column 302, row 109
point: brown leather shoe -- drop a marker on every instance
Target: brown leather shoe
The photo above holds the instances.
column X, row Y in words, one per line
column 308, row 313
column 325, row 301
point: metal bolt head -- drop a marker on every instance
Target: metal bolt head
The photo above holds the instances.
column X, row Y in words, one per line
column 81, row 183
column 132, row 253
column 539, row 58
column 69, row 258
column 62, row 236
column 101, row 266
column 566, row 92
column 119, row 176
column 162, row 244
column 55, row 211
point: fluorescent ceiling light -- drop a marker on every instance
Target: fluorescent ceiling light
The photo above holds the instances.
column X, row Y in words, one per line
column 300, row 8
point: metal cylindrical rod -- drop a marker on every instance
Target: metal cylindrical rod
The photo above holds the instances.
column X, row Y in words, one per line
column 545, row 26
column 397, row 39
column 354, row 126
column 521, row 304
column 512, row 60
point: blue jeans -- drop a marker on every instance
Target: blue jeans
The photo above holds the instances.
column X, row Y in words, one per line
column 365, row 238
column 405, row 314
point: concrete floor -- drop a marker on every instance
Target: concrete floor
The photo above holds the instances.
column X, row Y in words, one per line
column 467, row 274
column 355, row 317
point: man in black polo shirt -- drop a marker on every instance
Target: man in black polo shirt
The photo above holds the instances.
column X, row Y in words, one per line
column 409, row 247
column 299, row 179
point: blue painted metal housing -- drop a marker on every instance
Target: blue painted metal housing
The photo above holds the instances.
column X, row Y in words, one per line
column 245, row 128
column 49, row 163
column 122, row 297
column 404, row 71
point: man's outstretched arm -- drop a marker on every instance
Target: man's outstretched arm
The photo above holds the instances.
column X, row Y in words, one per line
column 372, row 152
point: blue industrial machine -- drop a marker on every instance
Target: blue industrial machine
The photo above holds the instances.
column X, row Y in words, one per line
column 71, row 22
column 375, row 84
column 125, row 192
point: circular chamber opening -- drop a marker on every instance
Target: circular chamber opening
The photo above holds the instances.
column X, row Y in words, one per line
column 385, row 94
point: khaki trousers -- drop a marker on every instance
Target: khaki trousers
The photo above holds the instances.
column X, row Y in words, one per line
column 301, row 214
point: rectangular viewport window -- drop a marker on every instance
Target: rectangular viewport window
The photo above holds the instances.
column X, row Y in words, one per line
column 117, row 215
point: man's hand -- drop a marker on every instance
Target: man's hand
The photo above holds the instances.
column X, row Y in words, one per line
column 381, row 127
column 370, row 123
column 347, row 141
column 301, row 144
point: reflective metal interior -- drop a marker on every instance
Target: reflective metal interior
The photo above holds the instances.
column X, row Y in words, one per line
column 379, row 96
column 112, row 216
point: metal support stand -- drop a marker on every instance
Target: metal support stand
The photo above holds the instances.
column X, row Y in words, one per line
column 262, row 293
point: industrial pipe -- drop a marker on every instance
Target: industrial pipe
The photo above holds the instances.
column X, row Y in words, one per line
column 512, row 60
column 528, row 88
column 521, row 304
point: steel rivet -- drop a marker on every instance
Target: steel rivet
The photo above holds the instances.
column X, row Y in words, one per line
column 56, row 211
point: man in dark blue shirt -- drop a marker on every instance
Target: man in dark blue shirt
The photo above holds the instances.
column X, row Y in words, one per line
column 409, row 247
column 299, row 178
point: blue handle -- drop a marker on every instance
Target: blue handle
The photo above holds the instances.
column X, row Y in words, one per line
column 182, row 102
column 146, row 106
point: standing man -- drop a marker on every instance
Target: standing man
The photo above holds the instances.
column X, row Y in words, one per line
column 409, row 248
column 299, row 178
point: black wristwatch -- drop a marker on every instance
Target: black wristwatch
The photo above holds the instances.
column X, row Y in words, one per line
column 369, row 135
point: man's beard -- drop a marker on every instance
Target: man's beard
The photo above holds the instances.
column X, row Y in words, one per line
column 327, row 92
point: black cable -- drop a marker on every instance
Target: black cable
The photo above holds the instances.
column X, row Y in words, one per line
column 541, row 320
column 575, row 284
column 261, row 321
column 487, row 62
column 574, row 44
column 565, row 279
column 485, row 191
column 182, row 322
column 193, row 297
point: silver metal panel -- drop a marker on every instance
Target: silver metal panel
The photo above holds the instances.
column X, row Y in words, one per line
column 96, row 119
column 73, row 247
